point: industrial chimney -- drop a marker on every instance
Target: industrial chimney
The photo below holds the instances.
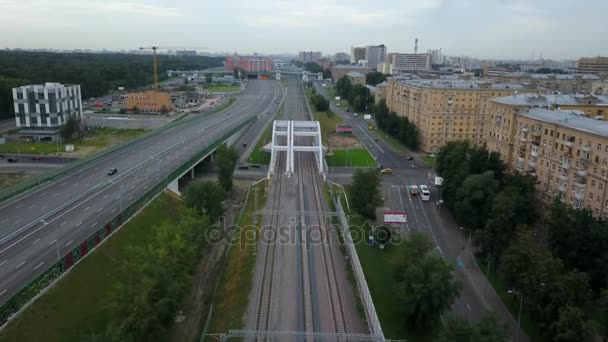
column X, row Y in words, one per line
column 416, row 46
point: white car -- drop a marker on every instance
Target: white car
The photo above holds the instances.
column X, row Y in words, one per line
column 425, row 194
column 355, row 114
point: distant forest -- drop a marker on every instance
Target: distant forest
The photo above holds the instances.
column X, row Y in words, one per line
column 96, row 73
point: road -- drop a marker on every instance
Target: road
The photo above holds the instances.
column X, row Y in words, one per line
column 7, row 125
column 430, row 218
column 42, row 225
column 300, row 282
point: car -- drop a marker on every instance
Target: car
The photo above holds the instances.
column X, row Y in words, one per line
column 370, row 146
column 243, row 167
column 244, row 144
column 112, row 171
column 255, row 166
column 355, row 114
column 338, row 104
column 375, row 139
column 11, row 159
column 348, row 109
column 36, row 158
column 409, row 158
column 386, row 171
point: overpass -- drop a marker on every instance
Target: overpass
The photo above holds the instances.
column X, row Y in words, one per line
column 48, row 228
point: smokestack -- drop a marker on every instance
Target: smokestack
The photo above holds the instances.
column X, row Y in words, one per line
column 416, row 46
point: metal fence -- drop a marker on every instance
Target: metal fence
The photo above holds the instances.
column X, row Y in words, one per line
column 368, row 303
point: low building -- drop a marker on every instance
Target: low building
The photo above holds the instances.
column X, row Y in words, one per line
column 563, row 83
column 185, row 98
column 567, row 151
column 249, row 64
column 149, row 101
column 41, row 109
column 339, row 71
column 344, row 129
column 356, row 78
column 227, row 79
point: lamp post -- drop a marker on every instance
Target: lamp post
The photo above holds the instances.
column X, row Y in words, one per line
column 521, row 304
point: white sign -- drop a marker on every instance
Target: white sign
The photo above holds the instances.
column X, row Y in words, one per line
column 438, row 181
column 395, row 217
column 69, row 148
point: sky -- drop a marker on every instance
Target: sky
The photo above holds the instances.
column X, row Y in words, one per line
column 489, row 29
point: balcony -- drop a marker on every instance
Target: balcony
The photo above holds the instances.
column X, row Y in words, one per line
column 565, row 164
column 568, row 143
column 523, row 139
column 563, row 187
column 532, row 164
column 578, row 203
column 534, row 152
column 585, row 162
column 586, row 148
column 524, row 129
column 579, row 195
column 582, row 173
column 580, row 182
column 536, row 133
column 563, row 177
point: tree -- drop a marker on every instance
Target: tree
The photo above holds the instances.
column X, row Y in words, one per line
column 320, row 102
column 364, row 193
column 373, row 78
column 298, row 63
column 474, row 199
column 208, row 78
column 312, row 67
column 122, row 111
column 164, row 110
column 382, row 235
column 343, row 87
column 425, row 284
column 135, row 110
column 225, row 161
column 571, row 326
column 68, row 129
column 457, row 329
column 238, row 73
column 603, row 314
column 205, row 198
column 326, row 73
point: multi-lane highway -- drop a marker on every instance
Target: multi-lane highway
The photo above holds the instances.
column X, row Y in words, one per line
column 42, row 225
column 300, row 282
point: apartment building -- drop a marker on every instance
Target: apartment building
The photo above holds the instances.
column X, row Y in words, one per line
column 250, row 64
column 564, row 83
column 405, row 62
column 375, row 56
column 592, row 65
column 309, row 56
column 446, row 110
column 356, row 54
column 339, row 71
column 565, row 149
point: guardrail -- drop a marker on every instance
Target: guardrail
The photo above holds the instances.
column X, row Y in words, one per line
column 26, row 185
column 368, row 303
column 30, row 292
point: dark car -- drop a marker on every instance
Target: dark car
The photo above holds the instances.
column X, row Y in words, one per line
column 112, row 171
column 36, row 158
column 409, row 158
column 11, row 159
column 244, row 144
column 255, row 166
column 243, row 167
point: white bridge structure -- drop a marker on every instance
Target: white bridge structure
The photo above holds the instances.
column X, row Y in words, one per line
column 306, row 76
column 292, row 136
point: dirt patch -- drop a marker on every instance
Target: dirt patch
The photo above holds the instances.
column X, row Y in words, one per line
column 343, row 142
column 196, row 305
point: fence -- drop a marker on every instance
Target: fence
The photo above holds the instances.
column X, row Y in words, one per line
column 30, row 291
column 370, row 310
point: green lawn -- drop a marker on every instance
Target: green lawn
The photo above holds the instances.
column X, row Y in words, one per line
column 75, row 307
column 429, row 161
column 9, row 179
column 356, row 158
column 97, row 140
column 237, row 279
column 330, row 92
column 222, row 88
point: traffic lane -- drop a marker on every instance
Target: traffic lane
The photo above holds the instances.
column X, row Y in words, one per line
column 36, row 159
column 57, row 189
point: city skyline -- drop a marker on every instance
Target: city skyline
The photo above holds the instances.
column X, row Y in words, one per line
column 473, row 27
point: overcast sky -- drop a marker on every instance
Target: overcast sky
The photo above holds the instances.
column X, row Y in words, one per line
column 480, row 28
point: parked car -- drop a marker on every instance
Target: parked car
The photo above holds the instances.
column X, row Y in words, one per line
column 112, row 171
column 386, row 171
column 36, row 158
column 243, row 167
column 256, row 166
column 11, row 159
column 409, row 158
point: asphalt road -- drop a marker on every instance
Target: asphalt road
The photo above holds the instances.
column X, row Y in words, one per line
column 7, row 125
column 40, row 226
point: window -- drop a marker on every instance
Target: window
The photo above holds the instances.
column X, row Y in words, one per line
column 600, row 185
column 599, row 147
column 593, row 183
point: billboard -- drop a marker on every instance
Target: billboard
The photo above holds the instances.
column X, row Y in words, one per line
column 395, row 217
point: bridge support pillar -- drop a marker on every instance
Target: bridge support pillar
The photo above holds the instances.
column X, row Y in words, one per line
column 174, row 187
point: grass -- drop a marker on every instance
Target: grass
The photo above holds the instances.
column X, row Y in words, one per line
column 75, row 307
column 222, row 88
column 237, row 280
column 97, row 140
column 355, row 158
column 328, row 120
column 258, row 156
column 394, row 143
column 429, row 161
column 9, row 179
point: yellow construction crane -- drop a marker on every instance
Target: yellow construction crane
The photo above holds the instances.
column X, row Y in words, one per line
column 155, row 60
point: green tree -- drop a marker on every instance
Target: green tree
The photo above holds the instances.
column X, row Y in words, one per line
column 382, row 235
column 320, row 102
column 205, row 198
column 602, row 317
column 326, row 73
column 225, row 161
column 238, row 73
column 208, row 78
column 122, row 111
column 312, row 67
column 298, row 64
column 425, row 285
column 135, row 110
column 343, row 87
column 571, row 326
column 474, row 199
column 374, row 78
column 68, row 129
column 455, row 329
column 364, row 193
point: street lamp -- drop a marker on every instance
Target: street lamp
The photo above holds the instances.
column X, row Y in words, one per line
column 521, row 304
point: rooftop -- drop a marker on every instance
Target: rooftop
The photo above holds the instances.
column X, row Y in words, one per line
column 574, row 119
column 342, row 66
column 355, row 74
column 459, row 84
column 553, row 99
column 521, row 74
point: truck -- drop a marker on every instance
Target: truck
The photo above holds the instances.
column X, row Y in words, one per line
column 367, row 116
column 337, row 98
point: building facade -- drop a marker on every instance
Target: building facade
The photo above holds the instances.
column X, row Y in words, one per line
column 563, row 83
column 436, row 56
column 42, row 108
column 445, row 111
column 309, row 56
column 341, row 70
column 342, row 57
column 406, row 62
column 567, row 151
column 592, row 65
column 375, row 56
column 356, row 54
column 148, row 102
column 249, row 64
column 356, row 78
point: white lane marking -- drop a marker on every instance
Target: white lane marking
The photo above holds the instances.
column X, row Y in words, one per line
column 33, row 243
column 67, row 195
column 4, row 220
column 43, row 194
column 44, row 207
column 75, row 184
column 145, row 187
column 100, row 209
column 21, row 264
column 40, row 264
column 118, row 197
column 113, row 210
column 86, row 185
column 32, row 206
column 407, row 226
column 94, row 224
column 52, row 242
column 105, row 196
column 87, row 208
column 370, row 138
column 130, row 198
column 468, row 306
column 55, row 195
column 78, row 225
column 64, row 222
column 67, row 244
column 19, row 206
column 1, row 293
column 4, row 262
column 18, row 221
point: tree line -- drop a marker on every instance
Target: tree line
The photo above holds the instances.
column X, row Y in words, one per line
column 357, row 95
column 398, row 127
column 555, row 258
column 95, row 73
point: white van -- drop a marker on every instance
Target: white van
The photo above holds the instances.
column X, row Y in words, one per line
column 425, row 194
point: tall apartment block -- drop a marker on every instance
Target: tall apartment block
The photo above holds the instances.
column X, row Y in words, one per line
column 41, row 109
column 592, row 65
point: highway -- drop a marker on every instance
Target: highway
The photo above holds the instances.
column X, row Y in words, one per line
column 42, row 225
column 300, row 282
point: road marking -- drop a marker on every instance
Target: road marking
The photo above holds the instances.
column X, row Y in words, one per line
column 64, row 222
column 94, row 224
column 78, row 225
column 105, row 196
column 55, row 194
column 32, row 206
column 4, row 262
column 44, row 207
column 370, row 138
column 118, row 197
column 1, row 293
column 19, row 206
column 40, row 264
column 113, row 210
column 145, row 187
column 52, row 242
column 67, row 195
column 468, row 306
column 67, row 244
column 87, row 208
column 43, row 194
column 75, row 184
column 86, row 185
column 100, row 209
column 7, row 219
column 18, row 221
column 130, row 198
column 21, row 264
column 33, row 243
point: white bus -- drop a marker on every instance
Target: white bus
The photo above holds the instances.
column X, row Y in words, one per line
column 425, row 194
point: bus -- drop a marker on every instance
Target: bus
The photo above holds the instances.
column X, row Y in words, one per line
column 425, row 194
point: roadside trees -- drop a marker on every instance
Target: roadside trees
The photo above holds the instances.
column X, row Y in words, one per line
column 225, row 161
column 364, row 192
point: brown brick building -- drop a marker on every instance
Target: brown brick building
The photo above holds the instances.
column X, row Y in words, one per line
column 148, row 101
